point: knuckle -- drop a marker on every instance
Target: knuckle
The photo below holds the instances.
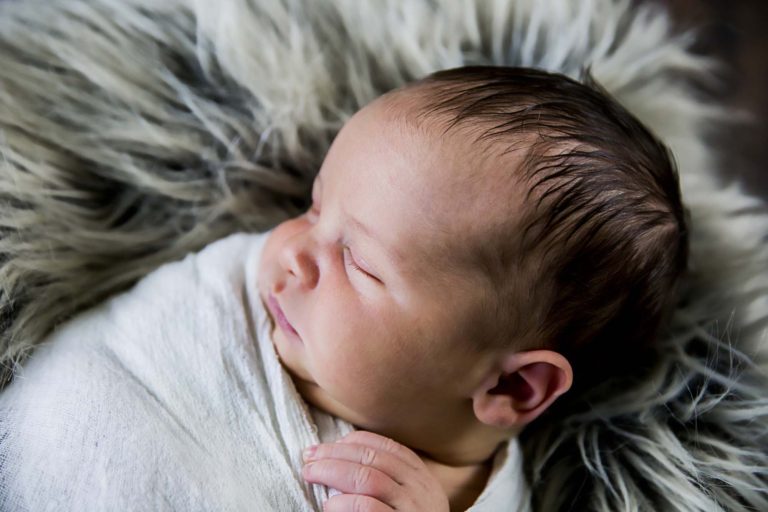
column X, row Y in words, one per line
column 351, row 503
column 360, row 504
column 361, row 478
column 368, row 457
column 389, row 445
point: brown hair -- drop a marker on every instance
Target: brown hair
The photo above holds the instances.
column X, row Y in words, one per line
column 603, row 232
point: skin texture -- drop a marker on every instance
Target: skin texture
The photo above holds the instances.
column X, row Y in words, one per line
column 386, row 314
column 374, row 473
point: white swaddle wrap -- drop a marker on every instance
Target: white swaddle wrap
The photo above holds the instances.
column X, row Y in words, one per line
column 171, row 397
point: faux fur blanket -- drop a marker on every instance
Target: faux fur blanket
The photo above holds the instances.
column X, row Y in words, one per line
column 135, row 131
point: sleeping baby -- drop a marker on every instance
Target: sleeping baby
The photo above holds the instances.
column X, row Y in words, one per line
column 483, row 246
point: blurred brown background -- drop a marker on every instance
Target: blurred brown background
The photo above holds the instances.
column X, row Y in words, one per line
column 736, row 32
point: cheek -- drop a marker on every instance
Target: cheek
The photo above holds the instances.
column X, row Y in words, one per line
column 339, row 344
column 364, row 353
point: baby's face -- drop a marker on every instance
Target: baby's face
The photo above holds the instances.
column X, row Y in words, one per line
column 382, row 311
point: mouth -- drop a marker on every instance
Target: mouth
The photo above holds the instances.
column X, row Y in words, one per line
column 279, row 316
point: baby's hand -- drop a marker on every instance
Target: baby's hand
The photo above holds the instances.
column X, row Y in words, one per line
column 375, row 473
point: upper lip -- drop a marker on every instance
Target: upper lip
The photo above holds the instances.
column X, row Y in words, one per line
column 278, row 313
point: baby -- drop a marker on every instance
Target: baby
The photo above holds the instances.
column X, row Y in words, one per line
column 478, row 241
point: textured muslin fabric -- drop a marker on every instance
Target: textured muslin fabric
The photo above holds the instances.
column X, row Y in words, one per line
column 171, row 397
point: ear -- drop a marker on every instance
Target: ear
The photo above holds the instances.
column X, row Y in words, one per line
column 521, row 388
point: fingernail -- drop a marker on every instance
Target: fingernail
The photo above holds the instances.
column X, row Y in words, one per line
column 308, row 452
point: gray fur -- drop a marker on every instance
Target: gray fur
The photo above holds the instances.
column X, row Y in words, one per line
column 135, row 131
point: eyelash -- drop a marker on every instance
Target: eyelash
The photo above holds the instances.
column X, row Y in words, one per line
column 351, row 262
column 347, row 253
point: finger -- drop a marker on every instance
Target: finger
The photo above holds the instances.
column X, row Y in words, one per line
column 379, row 442
column 355, row 503
column 364, row 455
column 352, row 478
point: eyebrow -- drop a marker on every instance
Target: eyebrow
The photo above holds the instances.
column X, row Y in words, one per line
column 392, row 255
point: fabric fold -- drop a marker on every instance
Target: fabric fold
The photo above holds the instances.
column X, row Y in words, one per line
column 170, row 396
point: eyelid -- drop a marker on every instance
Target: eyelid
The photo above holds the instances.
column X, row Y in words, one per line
column 314, row 214
column 357, row 267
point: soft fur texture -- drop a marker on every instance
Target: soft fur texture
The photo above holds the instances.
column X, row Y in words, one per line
column 135, row 131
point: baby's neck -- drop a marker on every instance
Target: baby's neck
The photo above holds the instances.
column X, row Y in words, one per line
column 462, row 484
column 462, row 479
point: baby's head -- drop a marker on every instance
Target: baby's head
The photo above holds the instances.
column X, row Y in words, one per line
column 476, row 240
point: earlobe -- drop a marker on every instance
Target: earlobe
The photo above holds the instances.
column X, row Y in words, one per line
column 523, row 387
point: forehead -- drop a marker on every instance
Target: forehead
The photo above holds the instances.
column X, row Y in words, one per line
column 436, row 196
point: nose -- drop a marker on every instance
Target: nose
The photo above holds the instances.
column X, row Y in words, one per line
column 299, row 258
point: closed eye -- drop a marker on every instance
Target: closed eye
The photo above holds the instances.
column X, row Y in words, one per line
column 350, row 261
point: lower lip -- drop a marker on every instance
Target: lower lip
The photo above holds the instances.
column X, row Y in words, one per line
column 280, row 318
